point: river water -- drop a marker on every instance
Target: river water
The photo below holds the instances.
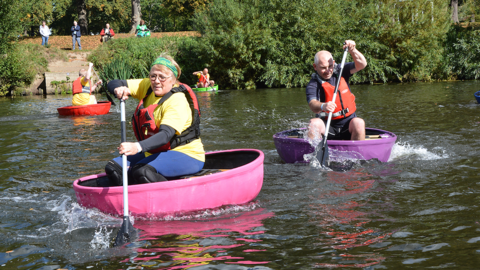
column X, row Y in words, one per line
column 419, row 210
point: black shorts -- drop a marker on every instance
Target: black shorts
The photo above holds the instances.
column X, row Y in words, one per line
column 339, row 131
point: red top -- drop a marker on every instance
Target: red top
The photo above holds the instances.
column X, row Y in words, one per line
column 102, row 33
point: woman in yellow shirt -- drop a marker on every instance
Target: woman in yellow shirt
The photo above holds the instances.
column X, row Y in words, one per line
column 171, row 145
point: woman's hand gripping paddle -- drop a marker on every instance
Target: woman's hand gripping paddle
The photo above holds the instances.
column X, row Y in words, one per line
column 126, row 232
column 322, row 147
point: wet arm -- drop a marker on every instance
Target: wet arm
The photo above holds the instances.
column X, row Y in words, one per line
column 164, row 135
column 114, row 84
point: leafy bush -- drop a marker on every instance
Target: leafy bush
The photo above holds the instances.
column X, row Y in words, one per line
column 130, row 58
column 462, row 53
column 266, row 41
column 20, row 65
column 254, row 43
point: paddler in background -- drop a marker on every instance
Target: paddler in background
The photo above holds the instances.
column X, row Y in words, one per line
column 82, row 88
column 166, row 124
column 345, row 124
column 203, row 78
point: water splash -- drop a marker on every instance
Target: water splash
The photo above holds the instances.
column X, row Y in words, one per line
column 208, row 213
column 76, row 217
column 402, row 150
column 101, row 239
column 338, row 160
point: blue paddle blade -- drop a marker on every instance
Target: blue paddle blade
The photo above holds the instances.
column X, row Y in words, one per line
column 127, row 233
column 322, row 153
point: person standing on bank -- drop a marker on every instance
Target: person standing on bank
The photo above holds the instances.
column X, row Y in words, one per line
column 106, row 33
column 45, row 33
column 166, row 124
column 345, row 124
column 76, row 34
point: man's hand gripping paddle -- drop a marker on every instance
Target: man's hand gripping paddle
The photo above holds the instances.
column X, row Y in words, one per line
column 322, row 147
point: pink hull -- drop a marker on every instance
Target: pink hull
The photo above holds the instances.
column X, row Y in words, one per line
column 235, row 186
column 102, row 107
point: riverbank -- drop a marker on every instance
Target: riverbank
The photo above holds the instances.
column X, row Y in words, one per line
column 90, row 42
column 53, row 68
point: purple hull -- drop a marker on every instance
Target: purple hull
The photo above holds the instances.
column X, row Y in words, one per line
column 239, row 182
column 292, row 147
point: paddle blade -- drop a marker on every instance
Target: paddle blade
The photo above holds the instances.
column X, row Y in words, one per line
column 110, row 98
column 126, row 233
column 322, row 153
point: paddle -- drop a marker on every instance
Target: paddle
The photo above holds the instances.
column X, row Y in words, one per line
column 323, row 154
column 127, row 231
column 106, row 92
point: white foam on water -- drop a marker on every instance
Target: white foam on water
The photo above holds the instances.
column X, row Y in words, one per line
column 76, row 217
column 341, row 157
column 402, row 150
column 210, row 212
column 18, row 199
column 101, row 239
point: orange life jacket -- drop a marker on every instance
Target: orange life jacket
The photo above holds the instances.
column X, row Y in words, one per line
column 202, row 79
column 344, row 96
column 144, row 126
column 77, row 86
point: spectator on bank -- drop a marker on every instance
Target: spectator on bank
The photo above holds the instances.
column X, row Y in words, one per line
column 142, row 30
column 106, row 33
column 45, row 33
column 76, row 34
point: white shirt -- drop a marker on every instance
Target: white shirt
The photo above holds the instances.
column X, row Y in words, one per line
column 45, row 31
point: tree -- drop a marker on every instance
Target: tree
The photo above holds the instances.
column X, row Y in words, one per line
column 82, row 16
column 33, row 13
column 9, row 26
column 136, row 15
column 454, row 6
column 265, row 42
column 183, row 10
column 116, row 13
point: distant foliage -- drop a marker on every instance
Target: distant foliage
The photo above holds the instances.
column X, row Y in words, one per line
column 268, row 42
column 257, row 43
column 20, row 65
column 136, row 55
column 236, row 40
column 463, row 53
column 9, row 27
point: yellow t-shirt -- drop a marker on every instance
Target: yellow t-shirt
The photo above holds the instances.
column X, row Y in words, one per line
column 82, row 98
column 175, row 112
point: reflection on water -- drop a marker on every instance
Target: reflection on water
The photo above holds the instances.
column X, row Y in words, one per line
column 189, row 243
column 343, row 220
column 416, row 211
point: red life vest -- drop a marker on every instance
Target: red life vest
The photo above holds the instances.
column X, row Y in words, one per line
column 77, row 87
column 202, row 79
column 345, row 99
column 144, row 126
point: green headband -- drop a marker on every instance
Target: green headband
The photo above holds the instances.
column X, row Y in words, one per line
column 167, row 63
